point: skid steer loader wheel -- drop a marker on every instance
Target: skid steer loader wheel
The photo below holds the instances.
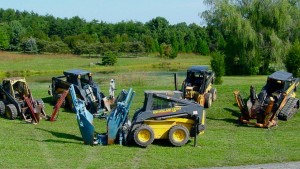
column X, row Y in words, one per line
column 11, row 111
column 2, row 108
column 143, row 135
column 208, row 100
column 179, row 135
column 213, row 91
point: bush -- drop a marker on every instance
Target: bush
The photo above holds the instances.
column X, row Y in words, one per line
column 109, row 59
column 52, row 46
column 166, row 51
column 293, row 60
column 218, row 66
column 29, row 45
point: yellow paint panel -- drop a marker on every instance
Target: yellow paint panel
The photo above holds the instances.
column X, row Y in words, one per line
column 162, row 127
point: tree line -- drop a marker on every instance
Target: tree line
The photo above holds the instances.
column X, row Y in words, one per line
column 33, row 33
column 244, row 37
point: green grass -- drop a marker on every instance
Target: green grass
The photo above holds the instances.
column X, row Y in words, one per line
column 29, row 65
column 58, row 144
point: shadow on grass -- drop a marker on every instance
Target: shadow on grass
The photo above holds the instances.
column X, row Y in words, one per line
column 62, row 135
column 162, row 143
column 166, row 143
column 157, row 142
column 228, row 120
column 62, row 109
column 57, row 141
column 235, row 121
column 234, row 113
column 48, row 100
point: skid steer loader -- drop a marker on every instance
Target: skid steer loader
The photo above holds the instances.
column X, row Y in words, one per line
column 164, row 115
column 197, row 85
column 16, row 101
column 85, row 88
column 277, row 99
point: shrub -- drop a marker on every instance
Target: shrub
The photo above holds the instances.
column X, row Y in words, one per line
column 166, row 51
column 109, row 59
column 29, row 45
column 218, row 66
column 293, row 60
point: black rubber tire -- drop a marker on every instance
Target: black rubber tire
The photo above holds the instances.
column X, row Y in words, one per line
column 11, row 111
column 213, row 91
column 179, row 131
column 208, row 100
column 148, row 135
column 2, row 108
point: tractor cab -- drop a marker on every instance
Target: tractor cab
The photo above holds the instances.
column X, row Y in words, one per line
column 198, row 85
column 277, row 83
column 154, row 100
column 16, row 87
column 79, row 77
column 197, row 77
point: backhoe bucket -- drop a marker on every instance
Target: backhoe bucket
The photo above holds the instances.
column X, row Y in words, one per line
column 86, row 127
column 118, row 117
column 84, row 118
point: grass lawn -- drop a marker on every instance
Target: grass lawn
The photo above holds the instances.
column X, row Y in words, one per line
column 59, row 145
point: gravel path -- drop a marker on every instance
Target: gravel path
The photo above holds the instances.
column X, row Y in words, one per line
column 288, row 165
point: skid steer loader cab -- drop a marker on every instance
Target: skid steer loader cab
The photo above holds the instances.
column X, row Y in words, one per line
column 16, row 87
column 279, row 82
column 198, row 85
column 79, row 77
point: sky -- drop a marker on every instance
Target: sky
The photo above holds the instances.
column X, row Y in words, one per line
column 113, row 11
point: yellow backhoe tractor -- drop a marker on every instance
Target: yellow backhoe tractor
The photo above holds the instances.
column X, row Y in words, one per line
column 198, row 86
column 277, row 99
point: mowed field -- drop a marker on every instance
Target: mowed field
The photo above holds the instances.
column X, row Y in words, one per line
column 59, row 145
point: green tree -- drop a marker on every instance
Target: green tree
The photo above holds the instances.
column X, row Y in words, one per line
column 159, row 27
column 148, row 43
column 54, row 46
column 293, row 60
column 29, row 46
column 216, row 41
column 258, row 33
column 202, row 47
column 4, row 37
column 16, row 32
column 166, row 51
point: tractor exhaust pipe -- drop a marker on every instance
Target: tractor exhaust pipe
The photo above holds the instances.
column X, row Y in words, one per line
column 175, row 81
